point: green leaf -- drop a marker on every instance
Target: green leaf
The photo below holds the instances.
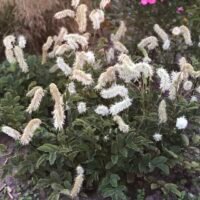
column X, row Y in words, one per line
column 164, row 168
column 170, row 187
column 158, row 160
column 56, row 187
column 52, row 157
column 114, row 159
column 42, row 158
column 48, row 148
column 124, row 152
column 114, row 178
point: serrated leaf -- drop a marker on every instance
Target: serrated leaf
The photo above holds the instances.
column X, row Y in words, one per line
column 48, row 148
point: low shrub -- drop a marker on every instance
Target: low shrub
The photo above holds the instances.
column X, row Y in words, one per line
column 129, row 121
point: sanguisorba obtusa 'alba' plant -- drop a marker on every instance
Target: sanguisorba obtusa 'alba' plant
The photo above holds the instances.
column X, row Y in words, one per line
column 115, row 116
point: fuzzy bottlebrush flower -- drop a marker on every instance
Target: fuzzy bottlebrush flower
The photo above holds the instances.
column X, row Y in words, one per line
column 60, row 50
column 186, row 34
column 21, row 41
column 82, row 58
column 58, row 113
column 77, row 182
column 46, row 46
column 36, row 100
column 56, row 95
column 63, row 66
column 104, row 3
column 10, row 56
column 164, row 79
column 32, row 91
column 11, row 132
column 108, row 76
column 145, row 69
column 74, row 40
column 71, row 88
column 113, row 91
column 176, row 31
column 194, row 99
column 187, row 85
column 97, row 17
column 181, row 122
column 81, row 76
column 9, row 41
column 110, row 55
column 20, row 59
column 120, row 106
column 120, row 47
column 185, row 68
column 29, row 131
column 90, row 57
column 163, row 35
column 81, row 107
column 198, row 89
column 127, row 69
column 150, row 42
column 75, row 3
column 175, row 84
column 81, row 17
column 123, row 127
column 162, row 113
column 120, row 32
column 102, row 110
column 157, row 137
column 64, row 13
column 58, row 41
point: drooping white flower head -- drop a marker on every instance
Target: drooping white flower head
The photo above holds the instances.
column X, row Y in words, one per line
column 163, row 35
column 181, row 122
column 63, row 66
column 198, row 89
column 114, row 91
column 79, row 170
column 71, row 88
column 90, row 58
column 187, row 85
column 194, row 99
column 165, row 82
column 162, row 113
column 75, row 3
column 102, row 110
column 9, row 41
column 176, row 31
column 120, row 106
column 11, row 132
column 64, row 13
column 81, row 107
column 97, row 17
column 157, row 137
column 104, row 3
column 123, row 127
column 22, row 41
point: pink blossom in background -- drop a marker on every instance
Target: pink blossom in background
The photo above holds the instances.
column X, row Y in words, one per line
column 179, row 10
column 145, row 2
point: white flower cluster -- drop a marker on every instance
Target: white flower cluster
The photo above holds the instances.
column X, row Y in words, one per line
column 81, row 107
column 181, row 122
column 114, row 91
column 102, row 110
column 165, row 82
